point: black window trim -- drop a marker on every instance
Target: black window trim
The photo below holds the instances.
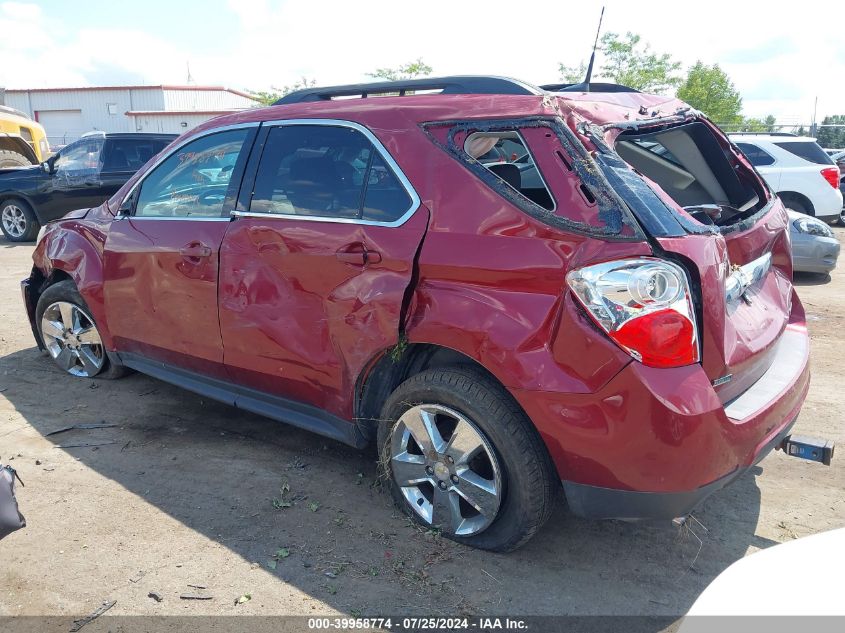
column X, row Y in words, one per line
column 385, row 155
column 130, row 198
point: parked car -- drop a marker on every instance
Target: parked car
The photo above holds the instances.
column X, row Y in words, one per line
column 839, row 159
column 23, row 142
column 784, row 585
column 624, row 326
column 815, row 248
column 82, row 175
column 802, row 174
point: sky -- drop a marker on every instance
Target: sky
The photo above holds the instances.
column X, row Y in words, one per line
column 780, row 59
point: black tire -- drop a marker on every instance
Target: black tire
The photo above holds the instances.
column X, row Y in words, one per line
column 66, row 291
column 8, row 158
column 529, row 481
column 841, row 220
column 13, row 209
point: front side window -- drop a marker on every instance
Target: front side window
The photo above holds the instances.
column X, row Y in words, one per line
column 80, row 157
column 326, row 171
column 195, row 180
column 755, row 155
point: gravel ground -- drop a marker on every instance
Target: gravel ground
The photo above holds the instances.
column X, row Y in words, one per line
column 188, row 491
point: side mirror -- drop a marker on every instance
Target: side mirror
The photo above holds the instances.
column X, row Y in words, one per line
column 45, row 167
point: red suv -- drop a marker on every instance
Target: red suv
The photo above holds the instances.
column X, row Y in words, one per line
column 506, row 287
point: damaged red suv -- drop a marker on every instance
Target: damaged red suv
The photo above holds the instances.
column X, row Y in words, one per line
column 507, row 288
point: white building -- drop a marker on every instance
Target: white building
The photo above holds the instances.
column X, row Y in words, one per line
column 68, row 113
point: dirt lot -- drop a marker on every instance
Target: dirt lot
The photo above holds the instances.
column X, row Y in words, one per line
column 195, row 492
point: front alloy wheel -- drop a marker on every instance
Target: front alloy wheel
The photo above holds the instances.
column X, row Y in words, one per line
column 446, row 470
column 72, row 339
column 14, row 221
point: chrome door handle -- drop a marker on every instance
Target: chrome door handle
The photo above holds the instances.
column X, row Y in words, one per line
column 195, row 251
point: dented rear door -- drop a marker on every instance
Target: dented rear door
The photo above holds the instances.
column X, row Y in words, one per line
column 311, row 287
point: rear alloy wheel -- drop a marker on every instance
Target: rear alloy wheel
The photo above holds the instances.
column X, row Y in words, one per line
column 72, row 339
column 841, row 221
column 461, row 456
column 446, row 469
column 17, row 221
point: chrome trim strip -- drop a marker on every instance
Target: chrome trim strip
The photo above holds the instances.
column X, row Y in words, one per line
column 388, row 159
column 743, row 277
column 172, row 217
column 162, row 157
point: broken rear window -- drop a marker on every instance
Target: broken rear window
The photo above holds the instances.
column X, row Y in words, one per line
column 538, row 165
column 696, row 171
column 505, row 155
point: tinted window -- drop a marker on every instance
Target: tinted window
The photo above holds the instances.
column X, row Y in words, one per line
column 130, row 154
column 385, row 199
column 808, row 150
column 326, row 171
column 194, row 181
column 755, row 155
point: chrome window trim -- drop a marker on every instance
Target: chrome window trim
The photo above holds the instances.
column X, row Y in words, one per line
column 172, row 217
column 163, row 157
column 385, row 155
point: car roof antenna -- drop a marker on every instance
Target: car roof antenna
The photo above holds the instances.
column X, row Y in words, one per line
column 593, row 56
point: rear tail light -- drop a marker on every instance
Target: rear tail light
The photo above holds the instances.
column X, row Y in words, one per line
column 831, row 174
column 644, row 305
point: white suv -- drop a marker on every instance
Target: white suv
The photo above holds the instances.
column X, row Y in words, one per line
column 802, row 174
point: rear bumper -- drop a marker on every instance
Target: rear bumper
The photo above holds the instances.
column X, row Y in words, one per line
column 595, row 502
column 827, row 204
column 654, row 443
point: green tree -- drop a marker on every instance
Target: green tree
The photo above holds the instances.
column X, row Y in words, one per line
column 411, row 70
column 572, row 74
column 753, row 124
column 832, row 137
column 269, row 97
column 629, row 61
column 771, row 123
column 708, row 88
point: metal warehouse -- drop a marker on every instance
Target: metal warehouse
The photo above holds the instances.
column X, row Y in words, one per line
column 68, row 113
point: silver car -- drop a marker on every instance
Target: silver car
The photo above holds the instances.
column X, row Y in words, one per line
column 815, row 248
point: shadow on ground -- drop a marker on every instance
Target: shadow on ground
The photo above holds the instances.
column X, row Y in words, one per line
column 217, row 470
column 810, row 279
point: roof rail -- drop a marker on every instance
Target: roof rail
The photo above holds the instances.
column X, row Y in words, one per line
column 590, row 87
column 460, row 84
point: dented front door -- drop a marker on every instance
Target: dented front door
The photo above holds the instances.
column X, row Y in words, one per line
column 304, row 305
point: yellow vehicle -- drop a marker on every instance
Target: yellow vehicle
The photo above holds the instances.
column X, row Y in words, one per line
column 22, row 141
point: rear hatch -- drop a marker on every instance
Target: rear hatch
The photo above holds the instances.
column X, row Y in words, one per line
column 705, row 207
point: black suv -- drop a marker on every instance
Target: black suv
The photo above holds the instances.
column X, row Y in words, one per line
column 82, row 175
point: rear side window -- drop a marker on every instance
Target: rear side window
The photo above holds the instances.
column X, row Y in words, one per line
column 755, row 155
column 505, row 154
column 808, row 150
column 130, row 154
column 328, row 172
